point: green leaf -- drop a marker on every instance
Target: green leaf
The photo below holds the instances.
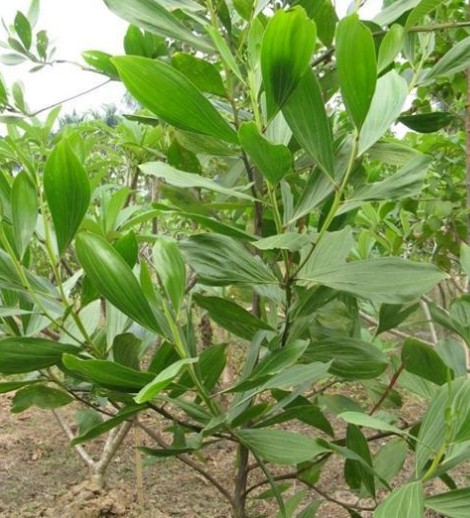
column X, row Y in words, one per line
column 41, row 396
column 219, row 261
column 153, row 17
column 101, row 61
column 171, row 270
column 22, row 354
column 384, row 280
column 273, row 160
column 281, row 447
column 200, row 72
column 420, row 11
column 287, row 47
column 162, row 380
column 390, row 47
column 456, row 60
column 393, row 11
column 10, row 386
column 108, row 374
column 424, row 361
column 23, row 29
column 188, row 180
column 127, row 247
column 292, row 241
column 163, row 453
column 87, row 419
column 389, row 460
column 452, row 351
column 351, row 358
column 231, row 316
column 354, row 472
column 392, row 315
column 179, row 102
column 225, row 53
column 67, row 191
column 24, row 210
column 465, row 258
column 405, row 502
column 427, row 122
column 126, row 350
column 114, row 279
column 390, row 96
column 305, row 114
column 392, row 153
column 368, row 421
column 357, row 77
column 454, row 504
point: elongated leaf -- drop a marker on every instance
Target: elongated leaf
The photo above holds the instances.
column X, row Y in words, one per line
column 171, row 270
column 171, row 96
column 162, row 380
column 163, row 453
column 454, row 504
column 153, row 17
column 273, row 160
column 101, row 61
column 306, row 116
column 420, row 11
column 21, row 354
column 357, row 77
column 456, row 60
column 391, row 315
column 368, row 421
column 231, row 316
column 423, row 360
column 126, row 349
column 41, row 396
column 390, row 458
column 351, row 358
column 291, row 241
column 405, row 502
column 393, row 11
column 108, row 374
column 67, row 191
column 390, row 96
column 219, row 261
column 113, row 278
column 281, row 447
column 10, row 386
column 390, row 47
column 355, row 474
column 225, row 53
column 23, row 29
column 427, row 122
column 385, row 280
column 24, row 211
column 288, row 43
column 187, row 180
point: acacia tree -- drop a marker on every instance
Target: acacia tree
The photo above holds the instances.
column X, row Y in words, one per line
column 268, row 127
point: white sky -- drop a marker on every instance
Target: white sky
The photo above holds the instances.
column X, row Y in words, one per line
column 75, row 26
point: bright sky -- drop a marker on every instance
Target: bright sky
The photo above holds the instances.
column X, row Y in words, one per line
column 75, row 26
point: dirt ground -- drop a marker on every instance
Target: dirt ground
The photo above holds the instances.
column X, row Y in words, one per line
column 41, row 476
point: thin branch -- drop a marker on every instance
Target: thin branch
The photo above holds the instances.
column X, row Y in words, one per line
column 427, row 315
column 111, row 446
column 389, row 388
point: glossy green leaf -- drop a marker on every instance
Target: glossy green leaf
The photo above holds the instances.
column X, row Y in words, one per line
column 101, row 61
column 200, row 72
column 24, row 211
column 187, row 180
column 127, row 247
column 225, row 53
column 427, row 122
column 127, row 349
column 273, row 160
column 179, row 102
column 423, row 360
column 281, row 447
column 454, row 504
column 390, row 47
column 22, row 354
column 41, row 396
column 114, row 279
column 390, row 96
column 231, row 316
column 287, row 47
column 219, row 261
column 420, row 11
column 67, row 191
column 406, row 501
column 23, row 29
column 384, row 280
column 305, row 114
column 171, row 270
column 351, row 358
column 455, row 60
column 153, row 17
column 357, row 77
column 108, row 374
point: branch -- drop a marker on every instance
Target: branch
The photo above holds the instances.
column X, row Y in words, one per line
column 389, row 388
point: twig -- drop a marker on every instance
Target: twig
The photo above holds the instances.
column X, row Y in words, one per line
column 139, row 476
column 427, row 315
column 389, row 388
column 112, row 444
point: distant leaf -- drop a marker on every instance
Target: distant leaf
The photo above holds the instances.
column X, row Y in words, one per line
column 405, row 502
column 465, row 258
column 10, row 386
column 171, row 270
column 427, row 122
column 454, row 504
column 420, row 11
column 219, row 261
column 281, row 447
column 369, row 421
column 389, row 460
column 231, row 316
column 291, row 241
column 114, row 279
column 384, row 280
column 67, row 190
column 456, row 60
column 306, row 116
column 23, row 29
column 273, row 160
column 288, row 43
column 179, row 102
column 33, row 12
column 24, row 210
column 41, row 396
column 202, row 73
column 22, row 354
column 163, row 453
column 126, row 350
column 423, row 360
column 357, row 77
column 187, row 180
column 390, row 96
column 153, row 17
column 393, row 11
column 12, row 59
column 390, row 47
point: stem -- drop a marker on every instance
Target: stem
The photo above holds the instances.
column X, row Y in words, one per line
column 389, row 388
column 241, row 480
column 139, row 476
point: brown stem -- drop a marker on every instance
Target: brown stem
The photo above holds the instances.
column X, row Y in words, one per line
column 241, row 480
column 389, row 388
